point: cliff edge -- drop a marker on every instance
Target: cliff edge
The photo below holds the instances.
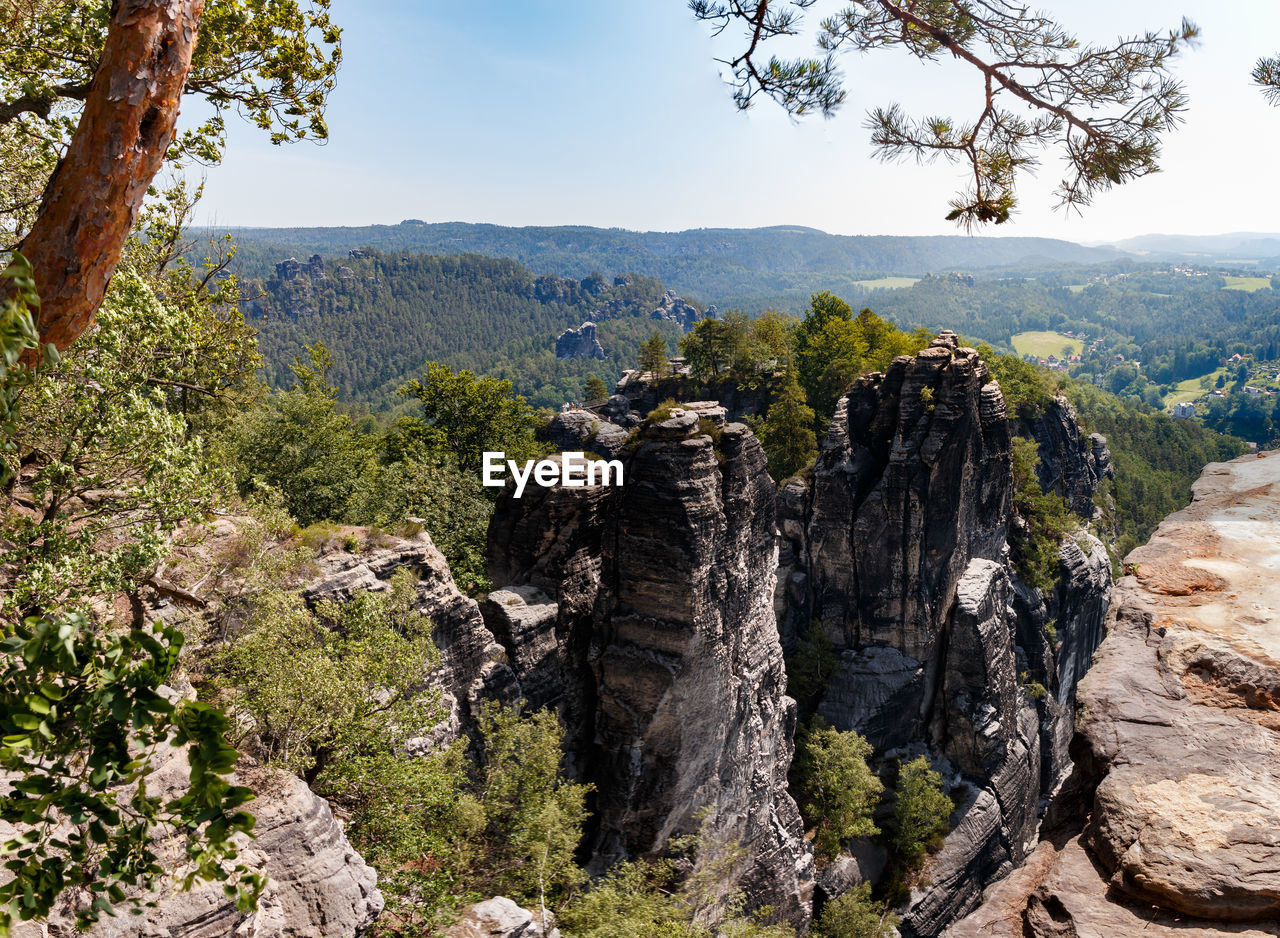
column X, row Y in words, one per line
column 1177, row 744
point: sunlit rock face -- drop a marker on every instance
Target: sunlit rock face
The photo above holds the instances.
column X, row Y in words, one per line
column 1177, row 744
column 896, row 550
column 652, row 616
column 317, row 885
column 579, row 343
column 644, row 613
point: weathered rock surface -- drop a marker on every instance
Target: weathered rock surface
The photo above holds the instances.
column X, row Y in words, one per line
column 897, row 551
column 318, row 886
column 641, row 393
column 678, row 310
column 579, row 343
column 471, row 661
column 582, row 430
column 1178, row 737
column 667, row 669
column 912, row 482
column 499, row 917
column 1071, row 465
column 1057, row 893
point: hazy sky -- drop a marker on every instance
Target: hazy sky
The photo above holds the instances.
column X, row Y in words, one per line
column 610, row 113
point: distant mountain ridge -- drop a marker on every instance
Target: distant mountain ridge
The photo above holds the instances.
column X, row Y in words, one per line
column 716, row 265
column 1240, row 245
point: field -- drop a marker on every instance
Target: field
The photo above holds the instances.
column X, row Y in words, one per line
column 1248, row 284
column 1076, row 287
column 1044, row 344
column 1190, row 390
column 888, row 283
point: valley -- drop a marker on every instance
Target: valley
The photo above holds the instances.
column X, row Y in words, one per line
column 549, row 574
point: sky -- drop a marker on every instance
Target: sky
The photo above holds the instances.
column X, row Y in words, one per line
column 616, row 114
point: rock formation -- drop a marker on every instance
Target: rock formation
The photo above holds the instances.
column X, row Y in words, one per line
column 579, row 343
column 896, row 551
column 648, row 615
column 643, row 612
column 677, row 310
column 499, row 917
column 638, row 393
column 578, row 429
column 318, row 886
column 1071, row 465
column 1177, row 748
column 471, row 665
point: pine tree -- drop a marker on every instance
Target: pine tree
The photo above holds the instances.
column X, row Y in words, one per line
column 595, row 389
column 838, row 790
column 655, row 355
column 787, row 432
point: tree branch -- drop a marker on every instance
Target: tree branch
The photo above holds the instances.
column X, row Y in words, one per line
column 41, row 104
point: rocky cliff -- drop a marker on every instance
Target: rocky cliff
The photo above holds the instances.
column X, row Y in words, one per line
column 678, row 310
column 471, row 661
column 651, row 616
column 579, row 343
column 317, row 885
column 643, row 612
column 896, row 551
column 1177, row 744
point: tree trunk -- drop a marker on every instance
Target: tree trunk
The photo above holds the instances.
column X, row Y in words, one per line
column 93, row 197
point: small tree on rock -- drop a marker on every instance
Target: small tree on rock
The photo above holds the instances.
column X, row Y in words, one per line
column 655, row 355
column 839, row 792
column 922, row 811
column 787, row 432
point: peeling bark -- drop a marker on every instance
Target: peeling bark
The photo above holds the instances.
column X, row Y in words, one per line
column 94, row 195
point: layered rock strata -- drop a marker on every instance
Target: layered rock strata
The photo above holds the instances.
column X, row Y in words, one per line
column 896, row 551
column 643, row 612
column 472, row 665
column 317, row 885
column 1178, row 740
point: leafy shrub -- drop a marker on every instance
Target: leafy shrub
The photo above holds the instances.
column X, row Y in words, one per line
column 838, row 790
column 312, row 688
column 921, row 813
column 1046, row 519
column 532, row 816
column 673, row 897
column 663, row 411
column 855, row 915
column 1027, row 389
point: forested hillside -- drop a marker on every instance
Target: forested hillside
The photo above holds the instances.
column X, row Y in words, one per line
column 1157, row 335
column 384, row 316
column 719, row 265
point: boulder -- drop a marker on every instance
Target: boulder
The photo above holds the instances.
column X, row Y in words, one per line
column 501, row 918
